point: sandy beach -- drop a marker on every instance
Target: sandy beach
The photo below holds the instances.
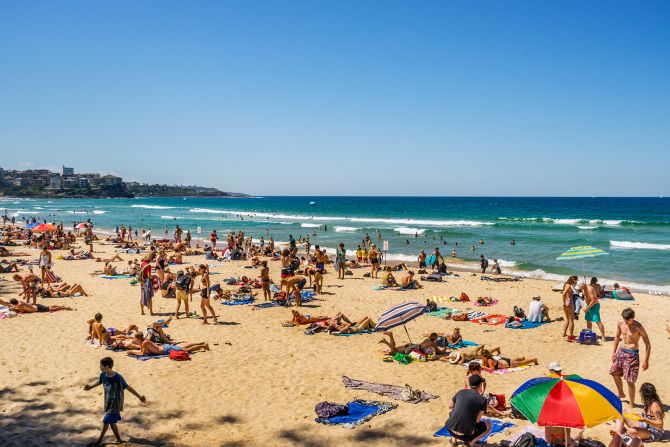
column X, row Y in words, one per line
column 259, row 384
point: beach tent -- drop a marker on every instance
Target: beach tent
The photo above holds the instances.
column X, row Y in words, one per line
column 566, row 401
column 399, row 316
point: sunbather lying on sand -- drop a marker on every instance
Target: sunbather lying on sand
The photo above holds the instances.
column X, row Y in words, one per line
column 428, row 346
column 9, row 267
column 23, row 307
column 97, row 331
column 128, row 342
column 469, row 354
column 61, row 290
column 299, row 319
column 116, row 258
column 151, row 348
column 342, row 325
column 4, row 253
column 505, row 362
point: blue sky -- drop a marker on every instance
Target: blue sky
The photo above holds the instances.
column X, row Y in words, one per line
column 343, row 97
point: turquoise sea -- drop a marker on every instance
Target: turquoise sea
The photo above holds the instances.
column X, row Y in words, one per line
column 634, row 231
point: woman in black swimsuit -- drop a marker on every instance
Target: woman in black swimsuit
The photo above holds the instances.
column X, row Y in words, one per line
column 505, row 362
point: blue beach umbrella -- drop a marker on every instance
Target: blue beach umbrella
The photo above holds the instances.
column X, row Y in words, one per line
column 30, row 226
column 581, row 252
column 399, row 316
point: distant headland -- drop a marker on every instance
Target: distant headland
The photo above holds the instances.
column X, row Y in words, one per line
column 68, row 184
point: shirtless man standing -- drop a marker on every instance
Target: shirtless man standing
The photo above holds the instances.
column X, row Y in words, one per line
column 29, row 283
column 294, row 285
column 626, row 358
column 592, row 309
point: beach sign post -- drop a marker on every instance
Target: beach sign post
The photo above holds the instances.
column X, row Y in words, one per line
column 199, row 233
column 386, row 247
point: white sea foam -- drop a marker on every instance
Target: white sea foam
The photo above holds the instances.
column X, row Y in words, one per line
column 77, row 212
column 345, row 229
column 153, row 207
column 99, row 211
column 638, row 245
column 504, row 263
column 586, row 227
column 171, row 217
column 409, row 230
column 567, row 221
column 429, row 222
column 309, row 225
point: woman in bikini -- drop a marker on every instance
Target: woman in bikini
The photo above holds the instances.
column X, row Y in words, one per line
column 374, row 261
column 569, row 308
column 505, row 362
column 428, row 347
column 299, row 319
column 647, row 427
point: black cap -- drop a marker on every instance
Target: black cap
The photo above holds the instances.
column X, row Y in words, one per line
column 475, row 380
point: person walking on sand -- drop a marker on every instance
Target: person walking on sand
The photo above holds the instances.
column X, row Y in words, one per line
column 146, row 287
column 592, row 309
column 341, row 261
column 45, row 263
column 626, row 357
column 114, row 385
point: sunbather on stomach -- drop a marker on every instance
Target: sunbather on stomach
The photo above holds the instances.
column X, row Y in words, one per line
column 428, row 346
column 300, row 319
column 505, row 362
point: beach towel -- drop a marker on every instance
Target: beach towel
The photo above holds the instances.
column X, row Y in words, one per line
column 488, row 278
column 6, row 313
column 497, row 371
column 403, row 393
column 497, row 426
column 237, row 302
column 461, row 344
column 493, row 303
column 359, row 412
column 491, row 320
column 353, row 333
column 442, row 312
column 622, row 295
column 115, row 276
column 144, row 358
column 525, row 324
column 440, row 299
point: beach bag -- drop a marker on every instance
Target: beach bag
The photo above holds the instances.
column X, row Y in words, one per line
column 433, row 278
column 498, row 401
column 464, row 297
column 590, row 443
column 587, row 337
column 180, row 356
column 326, row 410
column 519, row 313
column 183, row 281
column 525, row 440
column 417, row 355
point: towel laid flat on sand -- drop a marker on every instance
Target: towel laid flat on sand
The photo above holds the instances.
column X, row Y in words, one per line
column 525, row 324
column 442, row 312
column 497, row 426
column 360, row 411
column 403, row 393
column 491, row 320
column 115, row 276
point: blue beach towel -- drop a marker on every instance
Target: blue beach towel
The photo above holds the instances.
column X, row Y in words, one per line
column 525, row 324
column 237, row 302
column 497, row 426
column 115, row 276
column 144, row 358
column 354, row 333
column 462, row 344
column 360, row 411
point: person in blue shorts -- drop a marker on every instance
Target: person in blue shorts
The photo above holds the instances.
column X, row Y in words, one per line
column 114, row 385
column 592, row 309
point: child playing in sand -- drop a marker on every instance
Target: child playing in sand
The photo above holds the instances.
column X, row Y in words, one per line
column 113, row 384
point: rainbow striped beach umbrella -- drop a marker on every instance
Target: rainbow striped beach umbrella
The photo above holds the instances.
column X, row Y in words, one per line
column 581, row 252
column 569, row 401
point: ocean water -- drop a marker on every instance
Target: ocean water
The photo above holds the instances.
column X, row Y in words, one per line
column 634, row 231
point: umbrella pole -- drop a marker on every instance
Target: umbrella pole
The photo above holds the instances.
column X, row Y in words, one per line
column 405, row 327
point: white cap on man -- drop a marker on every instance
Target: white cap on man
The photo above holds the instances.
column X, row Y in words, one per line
column 555, row 366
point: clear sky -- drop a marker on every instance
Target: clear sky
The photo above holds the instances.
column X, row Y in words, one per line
column 343, row 97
